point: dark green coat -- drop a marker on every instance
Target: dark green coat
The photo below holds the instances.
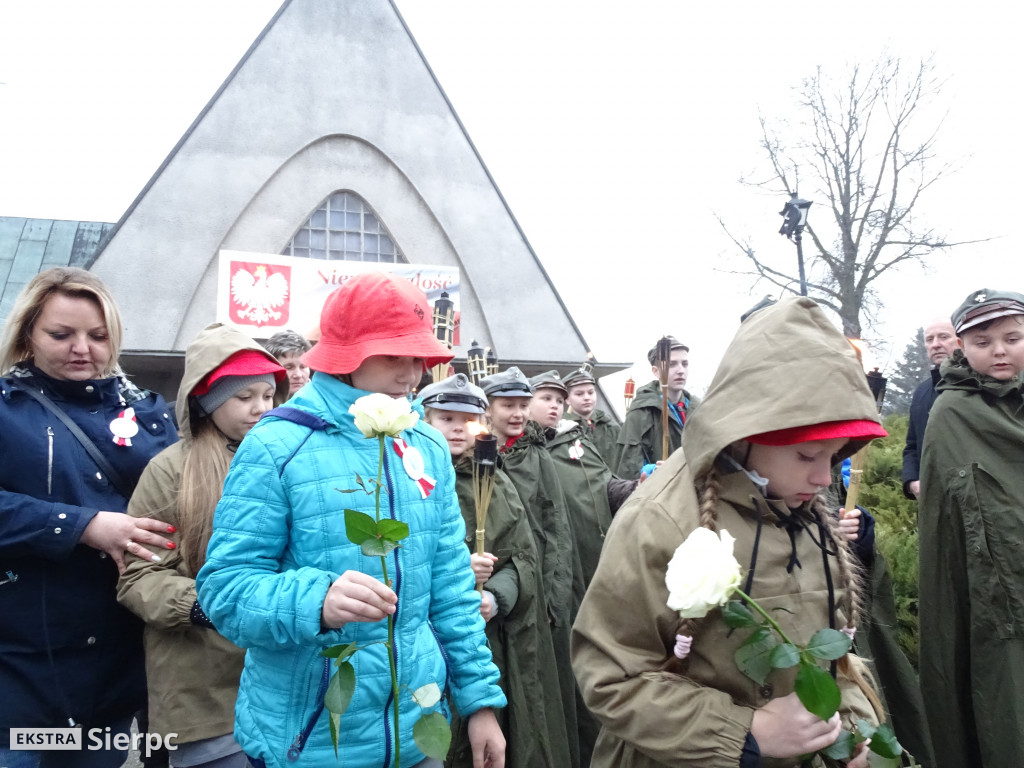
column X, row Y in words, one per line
column 640, row 437
column 603, row 431
column 584, row 478
column 532, row 471
column 519, row 635
column 972, row 568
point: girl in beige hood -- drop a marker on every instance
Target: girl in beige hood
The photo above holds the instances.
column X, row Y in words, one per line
column 789, row 400
column 192, row 671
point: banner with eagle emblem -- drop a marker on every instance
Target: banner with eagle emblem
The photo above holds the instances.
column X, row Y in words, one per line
column 262, row 293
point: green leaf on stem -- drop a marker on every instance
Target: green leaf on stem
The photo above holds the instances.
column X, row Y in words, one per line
column 842, row 748
column 340, row 652
column 346, row 490
column 335, row 722
column 817, row 690
column 340, row 689
column 784, row 656
column 754, row 656
column 738, row 616
column 393, row 530
column 359, row 527
column 377, row 547
column 829, row 644
column 433, row 735
column 883, row 740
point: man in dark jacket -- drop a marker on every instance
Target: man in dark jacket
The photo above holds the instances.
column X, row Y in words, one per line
column 939, row 341
column 640, row 438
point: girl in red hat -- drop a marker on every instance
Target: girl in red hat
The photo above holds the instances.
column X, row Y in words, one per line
column 283, row 580
column 192, row 671
column 755, row 459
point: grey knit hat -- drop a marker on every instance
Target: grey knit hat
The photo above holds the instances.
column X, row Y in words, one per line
column 224, row 388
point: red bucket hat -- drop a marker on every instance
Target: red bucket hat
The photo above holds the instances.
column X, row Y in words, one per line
column 375, row 313
column 855, row 429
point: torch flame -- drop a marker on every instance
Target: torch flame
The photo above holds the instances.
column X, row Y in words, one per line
column 475, row 428
column 863, row 352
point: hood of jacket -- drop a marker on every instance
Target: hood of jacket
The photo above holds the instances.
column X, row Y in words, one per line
column 957, row 374
column 788, row 366
column 208, row 350
column 649, row 396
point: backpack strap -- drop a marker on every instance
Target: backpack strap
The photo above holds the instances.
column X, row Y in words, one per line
column 303, row 419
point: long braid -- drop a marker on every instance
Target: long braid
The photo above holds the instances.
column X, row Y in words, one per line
column 708, row 488
column 850, row 579
column 849, row 570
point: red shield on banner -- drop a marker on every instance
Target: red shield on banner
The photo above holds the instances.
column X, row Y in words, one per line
column 260, row 294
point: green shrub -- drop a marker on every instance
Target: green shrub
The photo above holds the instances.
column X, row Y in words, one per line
column 895, row 525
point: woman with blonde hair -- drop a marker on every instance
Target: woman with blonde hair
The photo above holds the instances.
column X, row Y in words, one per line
column 75, row 435
column 193, row 672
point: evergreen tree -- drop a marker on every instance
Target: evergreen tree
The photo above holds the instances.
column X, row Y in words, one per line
column 914, row 368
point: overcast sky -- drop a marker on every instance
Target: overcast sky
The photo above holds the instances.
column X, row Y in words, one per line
column 616, row 132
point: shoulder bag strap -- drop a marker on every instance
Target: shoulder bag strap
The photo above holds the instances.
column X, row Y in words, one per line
column 90, row 447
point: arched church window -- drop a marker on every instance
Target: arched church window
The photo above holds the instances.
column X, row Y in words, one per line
column 344, row 227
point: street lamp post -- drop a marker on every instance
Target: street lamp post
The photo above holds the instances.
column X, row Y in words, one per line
column 794, row 219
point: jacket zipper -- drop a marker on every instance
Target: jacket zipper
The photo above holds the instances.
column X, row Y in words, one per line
column 295, row 750
column 49, row 464
column 398, row 584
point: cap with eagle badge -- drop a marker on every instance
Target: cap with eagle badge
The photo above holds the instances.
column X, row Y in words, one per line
column 509, row 383
column 984, row 305
column 548, row 380
column 375, row 313
column 578, row 377
column 456, row 393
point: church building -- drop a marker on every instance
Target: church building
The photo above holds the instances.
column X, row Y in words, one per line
column 330, row 148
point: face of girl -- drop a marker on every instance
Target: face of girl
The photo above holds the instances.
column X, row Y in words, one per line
column 242, row 410
column 998, row 350
column 583, row 399
column 797, row 472
column 298, row 373
column 547, row 406
column 388, row 374
column 70, row 340
column 508, row 416
column 454, row 426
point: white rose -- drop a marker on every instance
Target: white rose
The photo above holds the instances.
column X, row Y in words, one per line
column 702, row 573
column 379, row 414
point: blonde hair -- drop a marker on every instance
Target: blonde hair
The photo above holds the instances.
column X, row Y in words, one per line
column 16, row 342
column 202, row 484
column 708, row 489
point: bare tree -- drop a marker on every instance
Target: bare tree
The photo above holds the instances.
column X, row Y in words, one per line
column 862, row 158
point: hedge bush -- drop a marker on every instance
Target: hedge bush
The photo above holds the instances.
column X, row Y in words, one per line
column 896, row 525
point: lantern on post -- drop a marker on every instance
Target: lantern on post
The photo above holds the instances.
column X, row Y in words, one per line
column 444, row 329
column 588, row 366
column 492, row 362
column 630, row 392
column 476, row 362
column 794, row 219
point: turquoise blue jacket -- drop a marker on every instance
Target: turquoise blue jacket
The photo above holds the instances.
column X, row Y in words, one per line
column 279, row 542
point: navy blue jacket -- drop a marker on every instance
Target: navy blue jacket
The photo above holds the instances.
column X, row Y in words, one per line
column 67, row 649
column 920, row 406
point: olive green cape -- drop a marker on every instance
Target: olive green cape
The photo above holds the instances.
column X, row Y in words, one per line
column 971, row 600
column 532, row 471
column 519, row 636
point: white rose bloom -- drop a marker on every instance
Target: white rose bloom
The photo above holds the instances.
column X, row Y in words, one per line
column 379, row 414
column 702, row 573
